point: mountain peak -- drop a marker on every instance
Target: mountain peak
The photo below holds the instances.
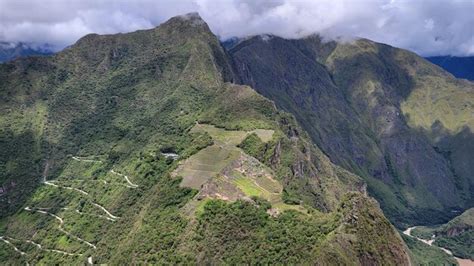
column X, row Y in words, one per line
column 190, row 19
column 192, row 16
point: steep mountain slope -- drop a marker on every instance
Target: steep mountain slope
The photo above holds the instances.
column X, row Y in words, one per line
column 393, row 118
column 460, row 67
column 136, row 148
column 10, row 51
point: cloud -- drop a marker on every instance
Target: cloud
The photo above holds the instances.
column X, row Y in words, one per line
column 429, row 27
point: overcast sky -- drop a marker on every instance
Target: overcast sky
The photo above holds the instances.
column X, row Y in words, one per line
column 436, row 27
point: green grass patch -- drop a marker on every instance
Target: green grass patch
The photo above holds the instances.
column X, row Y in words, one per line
column 250, row 189
column 264, row 134
column 227, row 137
column 200, row 206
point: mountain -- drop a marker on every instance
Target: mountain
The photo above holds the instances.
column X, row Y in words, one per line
column 11, row 51
column 401, row 123
column 460, row 67
column 141, row 148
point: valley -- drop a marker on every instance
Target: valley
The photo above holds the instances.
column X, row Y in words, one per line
column 456, row 236
column 460, row 261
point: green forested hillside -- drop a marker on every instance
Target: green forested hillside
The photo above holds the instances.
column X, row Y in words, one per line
column 386, row 114
column 99, row 140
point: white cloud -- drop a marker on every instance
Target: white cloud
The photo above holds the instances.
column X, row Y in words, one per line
column 429, row 27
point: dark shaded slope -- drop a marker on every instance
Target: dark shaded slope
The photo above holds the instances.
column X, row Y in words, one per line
column 287, row 72
column 349, row 98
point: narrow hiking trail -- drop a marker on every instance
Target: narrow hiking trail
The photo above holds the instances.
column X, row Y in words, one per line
column 462, row 262
column 85, row 180
column 103, row 182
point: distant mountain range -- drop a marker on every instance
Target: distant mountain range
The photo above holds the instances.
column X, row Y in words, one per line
column 10, row 51
column 460, row 67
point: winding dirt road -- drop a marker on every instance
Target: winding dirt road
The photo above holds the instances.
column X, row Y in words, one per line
column 60, row 227
column 52, row 250
column 130, row 184
column 82, row 159
column 105, row 210
column 109, row 216
column 39, row 247
column 84, row 193
column 49, row 183
column 4, row 239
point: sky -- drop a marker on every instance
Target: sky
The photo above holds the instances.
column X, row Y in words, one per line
column 428, row 27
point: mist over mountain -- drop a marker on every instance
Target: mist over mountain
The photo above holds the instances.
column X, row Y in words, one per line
column 11, row 51
column 428, row 28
